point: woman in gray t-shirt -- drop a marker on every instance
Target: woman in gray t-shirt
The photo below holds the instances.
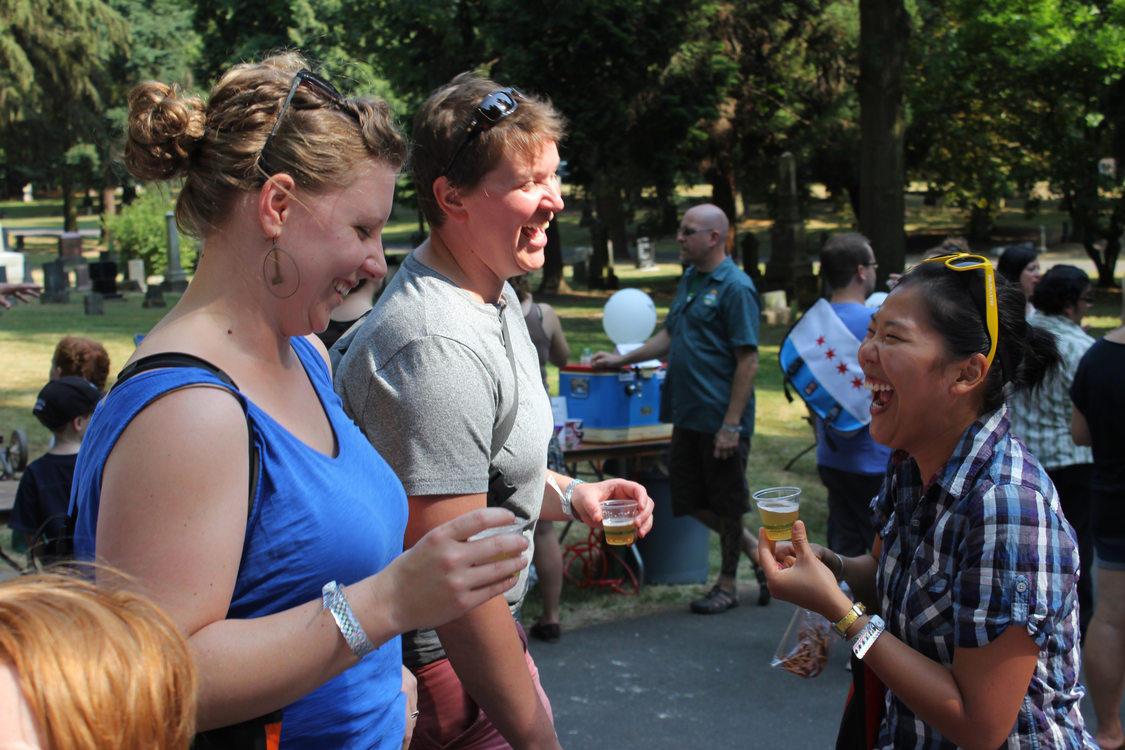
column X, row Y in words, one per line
column 445, row 382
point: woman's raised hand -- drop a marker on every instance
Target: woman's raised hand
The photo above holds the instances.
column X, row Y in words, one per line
column 795, row 573
column 444, row 575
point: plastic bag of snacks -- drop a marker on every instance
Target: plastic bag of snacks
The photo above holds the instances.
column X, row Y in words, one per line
column 804, row 648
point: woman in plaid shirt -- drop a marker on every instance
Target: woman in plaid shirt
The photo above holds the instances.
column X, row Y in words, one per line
column 973, row 571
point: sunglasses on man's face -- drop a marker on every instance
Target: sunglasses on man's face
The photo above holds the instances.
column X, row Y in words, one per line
column 318, row 85
column 968, row 262
column 491, row 110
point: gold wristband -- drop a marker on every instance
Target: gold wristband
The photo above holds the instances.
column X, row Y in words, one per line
column 841, row 626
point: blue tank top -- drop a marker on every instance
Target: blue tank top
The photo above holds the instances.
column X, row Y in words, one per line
column 314, row 519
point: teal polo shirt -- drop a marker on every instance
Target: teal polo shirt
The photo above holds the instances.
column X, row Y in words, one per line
column 711, row 315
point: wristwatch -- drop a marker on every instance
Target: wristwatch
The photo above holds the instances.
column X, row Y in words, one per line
column 841, row 626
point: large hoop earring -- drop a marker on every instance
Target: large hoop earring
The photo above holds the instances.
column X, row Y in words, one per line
column 277, row 268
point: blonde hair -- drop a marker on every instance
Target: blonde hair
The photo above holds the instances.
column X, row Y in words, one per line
column 215, row 146
column 77, row 355
column 99, row 668
column 439, row 129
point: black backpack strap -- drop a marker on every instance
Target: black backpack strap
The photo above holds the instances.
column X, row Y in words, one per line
column 182, row 359
column 499, row 488
column 171, row 359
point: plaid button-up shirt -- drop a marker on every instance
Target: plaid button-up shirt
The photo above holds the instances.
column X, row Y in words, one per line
column 982, row 547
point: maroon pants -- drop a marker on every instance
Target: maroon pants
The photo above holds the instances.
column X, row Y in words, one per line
column 449, row 718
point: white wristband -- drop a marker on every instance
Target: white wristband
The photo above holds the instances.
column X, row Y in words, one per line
column 566, row 499
column 565, row 496
column 336, row 603
column 867, row 637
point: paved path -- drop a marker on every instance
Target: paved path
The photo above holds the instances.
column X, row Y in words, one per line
column 678, row 680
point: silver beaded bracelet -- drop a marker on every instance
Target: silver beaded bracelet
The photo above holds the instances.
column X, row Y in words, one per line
column 336, row 603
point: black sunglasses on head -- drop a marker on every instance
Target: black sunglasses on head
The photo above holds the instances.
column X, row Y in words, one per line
column 491, row 110
column 320, row 86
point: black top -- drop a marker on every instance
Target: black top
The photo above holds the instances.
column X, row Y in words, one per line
column 1098, row 393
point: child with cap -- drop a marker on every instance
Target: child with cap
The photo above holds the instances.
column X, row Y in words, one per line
column 64, row 407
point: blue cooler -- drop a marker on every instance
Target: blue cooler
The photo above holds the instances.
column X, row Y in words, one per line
column 615, row 407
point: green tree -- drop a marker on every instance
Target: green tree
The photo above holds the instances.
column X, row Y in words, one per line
column 618, row 71
column 792, row 89
column 55, row 67
column 1007, row 93
column 164, row 46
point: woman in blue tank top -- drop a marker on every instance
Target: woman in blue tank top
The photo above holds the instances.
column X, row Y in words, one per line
column 236, row 492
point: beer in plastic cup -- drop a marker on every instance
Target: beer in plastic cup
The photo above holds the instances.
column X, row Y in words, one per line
column 778, row 507
column 618, row 521
column 511, row 528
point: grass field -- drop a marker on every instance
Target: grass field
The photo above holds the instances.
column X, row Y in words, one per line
column 28, row 334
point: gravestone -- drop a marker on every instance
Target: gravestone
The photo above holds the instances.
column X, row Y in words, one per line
column 93, row 304
column 136, row 281
column 775, row 307
column 580, row 267
column 645, row 253
column 175, row 278
column 154, row 297
column 82, row 279
column 103, row 278
column 70, row 245
column 56, row 283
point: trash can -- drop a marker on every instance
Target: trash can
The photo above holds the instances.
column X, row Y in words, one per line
column 677, row 549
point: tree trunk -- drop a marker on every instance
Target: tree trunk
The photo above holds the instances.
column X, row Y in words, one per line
column 610, row 226
column 884, row 30
column 553, row 260
column 669, row 218
column 70, row 207
column 722, row 195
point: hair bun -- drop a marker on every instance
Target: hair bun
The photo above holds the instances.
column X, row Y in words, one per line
column 164, row 129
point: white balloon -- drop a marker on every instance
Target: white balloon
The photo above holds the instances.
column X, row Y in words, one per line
column 629, row 316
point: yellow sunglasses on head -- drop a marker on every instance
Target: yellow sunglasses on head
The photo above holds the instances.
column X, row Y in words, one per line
column 970, row 262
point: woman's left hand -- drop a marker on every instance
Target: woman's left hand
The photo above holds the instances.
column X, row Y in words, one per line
column 801, row 579
column 587, row 496
column 410, row 687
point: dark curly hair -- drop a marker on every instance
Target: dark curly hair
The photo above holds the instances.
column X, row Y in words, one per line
column 1061, row 286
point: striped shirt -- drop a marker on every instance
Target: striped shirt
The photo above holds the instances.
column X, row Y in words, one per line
column 982, row 546
column 1041, row 416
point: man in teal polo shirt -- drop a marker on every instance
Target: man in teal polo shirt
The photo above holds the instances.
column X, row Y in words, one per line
column 710, row 339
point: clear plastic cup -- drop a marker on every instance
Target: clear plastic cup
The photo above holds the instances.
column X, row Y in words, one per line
column 779, row 507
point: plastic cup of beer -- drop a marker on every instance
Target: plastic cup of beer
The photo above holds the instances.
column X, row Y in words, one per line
column 778, row 507
column 511, row 528
column 618, row 521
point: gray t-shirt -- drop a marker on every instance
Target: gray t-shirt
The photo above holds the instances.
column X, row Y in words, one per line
column 428, row 380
